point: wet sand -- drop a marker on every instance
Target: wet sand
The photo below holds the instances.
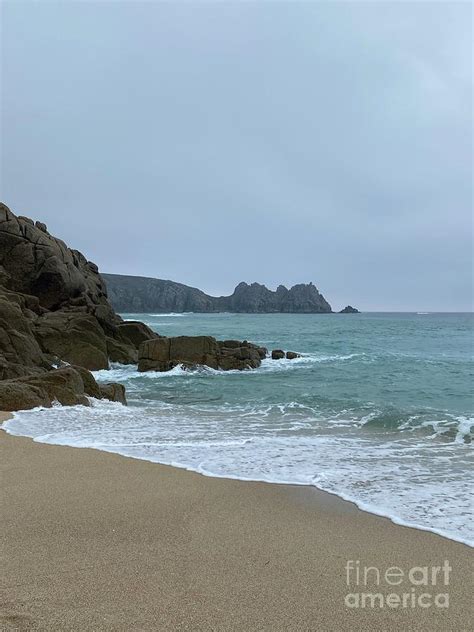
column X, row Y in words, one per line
column 96, row 541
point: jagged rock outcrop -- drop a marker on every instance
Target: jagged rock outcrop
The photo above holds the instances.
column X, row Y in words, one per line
column 349, row 310
column 256, row 298
column 54, row 309
column 163, row 354
column 141, row 294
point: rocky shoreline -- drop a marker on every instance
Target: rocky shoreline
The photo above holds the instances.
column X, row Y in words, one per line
column 57, row 325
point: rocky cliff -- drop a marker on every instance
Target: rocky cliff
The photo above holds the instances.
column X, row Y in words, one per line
column 142, row 294
column 57, row 325
column 54, row 312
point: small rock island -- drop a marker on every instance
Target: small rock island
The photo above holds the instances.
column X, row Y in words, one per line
column 349, row 310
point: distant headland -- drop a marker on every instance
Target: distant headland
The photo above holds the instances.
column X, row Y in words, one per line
column 135, row 294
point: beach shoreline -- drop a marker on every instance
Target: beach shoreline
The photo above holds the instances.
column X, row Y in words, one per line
column 98, row 541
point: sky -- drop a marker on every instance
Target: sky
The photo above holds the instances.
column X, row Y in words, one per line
column 277, row 142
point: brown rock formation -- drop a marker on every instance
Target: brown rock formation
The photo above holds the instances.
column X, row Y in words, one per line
column 54, row 309
column 54, row 312
column 162, row 354
column 278, row 354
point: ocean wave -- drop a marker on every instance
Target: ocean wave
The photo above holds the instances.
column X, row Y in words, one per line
column 431, row 423
column 139, row 316
column 399, row 480
column 375, row 410
column 170, row 314
column 122, row 372
column 447, row 426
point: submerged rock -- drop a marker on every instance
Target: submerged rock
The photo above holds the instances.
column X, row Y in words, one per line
column 162, row 354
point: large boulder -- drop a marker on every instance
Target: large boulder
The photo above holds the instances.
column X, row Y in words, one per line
column 246, row 356
column 63, row 385
column 76, row 338
column 69, row 386
column 113, row 391
column 19, row 396
column 91, row 387
column 162, row 354
column 135, row 332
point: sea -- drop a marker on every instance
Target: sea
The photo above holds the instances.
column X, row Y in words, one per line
column 377, row 410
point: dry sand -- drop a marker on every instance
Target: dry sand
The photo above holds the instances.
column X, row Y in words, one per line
column 96, row 541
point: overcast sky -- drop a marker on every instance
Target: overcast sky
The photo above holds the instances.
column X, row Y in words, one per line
column 211, row 143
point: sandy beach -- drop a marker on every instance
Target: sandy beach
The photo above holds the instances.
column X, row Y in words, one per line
column 96, row 541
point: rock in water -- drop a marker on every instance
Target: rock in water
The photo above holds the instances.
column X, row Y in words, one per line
column 114, row 392
column 162, row 354
column 278, row 354
column 68, row 386
column 349, row 310
column 291, row 355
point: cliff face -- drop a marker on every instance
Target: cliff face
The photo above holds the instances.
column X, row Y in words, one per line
column 54, row 310
column 57, row 325
column 141, row 294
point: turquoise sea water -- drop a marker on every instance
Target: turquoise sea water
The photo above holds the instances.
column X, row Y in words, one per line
column 379, row 410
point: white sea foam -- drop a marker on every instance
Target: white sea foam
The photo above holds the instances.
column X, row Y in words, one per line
column 465, row 429
column 123, row 372
column 170, row 315
column 376, row 410
column 393, row 478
